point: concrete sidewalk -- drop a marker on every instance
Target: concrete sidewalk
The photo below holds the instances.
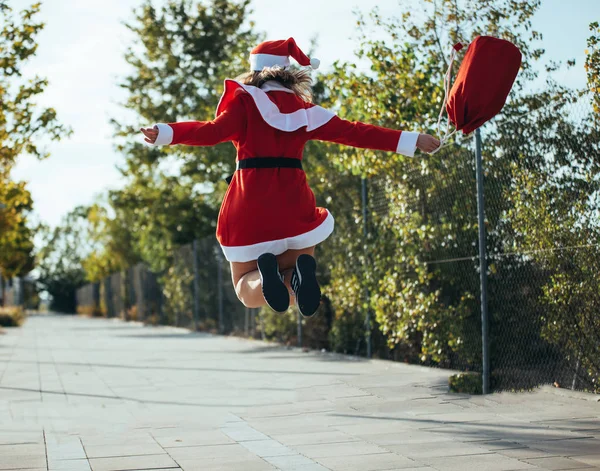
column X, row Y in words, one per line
column 81, row 394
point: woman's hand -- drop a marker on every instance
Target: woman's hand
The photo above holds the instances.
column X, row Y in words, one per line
column 152, row 133
column 427, row 143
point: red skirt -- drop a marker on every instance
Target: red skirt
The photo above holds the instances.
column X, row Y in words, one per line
column 270, row 210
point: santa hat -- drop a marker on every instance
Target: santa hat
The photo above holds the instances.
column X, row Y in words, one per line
column 272, row 53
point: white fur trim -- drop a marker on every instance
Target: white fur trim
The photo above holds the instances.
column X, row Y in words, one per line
column 260, row 61
column 315, row 63
column 274, row 86
column 407, row 144
column 312, row 118
column 247, row 253
column 165, row 135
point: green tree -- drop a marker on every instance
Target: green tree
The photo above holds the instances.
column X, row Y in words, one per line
column 60, row 259
column 16, row 237
column 22, row 125
column 592, row 65
column 554, row 211
column 112, row 243
column 162, row 213
column 187, row 49
column 541, row 195
column 415, row 220
column 423, row 210
column 184, row 51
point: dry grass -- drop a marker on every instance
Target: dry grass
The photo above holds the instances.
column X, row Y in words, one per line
column 89, row 311
column 11, row 316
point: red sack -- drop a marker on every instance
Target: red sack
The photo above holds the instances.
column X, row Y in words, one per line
column 483, row 83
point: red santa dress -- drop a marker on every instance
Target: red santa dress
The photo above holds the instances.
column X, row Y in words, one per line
column 273, row 209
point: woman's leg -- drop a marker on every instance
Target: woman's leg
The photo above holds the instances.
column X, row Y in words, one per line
column 287, row 262
column 246, row 281
column 246, row 278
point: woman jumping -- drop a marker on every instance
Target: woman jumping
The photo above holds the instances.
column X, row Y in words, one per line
column 269, row 224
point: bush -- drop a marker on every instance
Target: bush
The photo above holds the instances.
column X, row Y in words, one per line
column 466, row 383
column 11, row 316
column 89, row 310
column 279, row 326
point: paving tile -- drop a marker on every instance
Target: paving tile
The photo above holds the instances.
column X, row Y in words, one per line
column 415, row 436
column 314, row 438
column 213, row 437
column 20, row 461
column 68, row 448
column 243, row 432
column 19, row 437
column 420, row 468
column 295, row 463
column 265, row 448
column 591, row 459
column 572, row 447
column 225, row 464
column 487, row 462
column 381, row 461
column 116, row 439
column 338, row 449
column 435, row 449
column 36, row 449
column 103, row 451
column 210, row 451
column 555, row 462
column 498, row 445
column 132, row 462
column 524, row 453
column 69, row 465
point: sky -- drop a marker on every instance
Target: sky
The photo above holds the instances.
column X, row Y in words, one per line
column 81, row 54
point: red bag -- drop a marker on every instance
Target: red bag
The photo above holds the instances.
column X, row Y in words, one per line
column 483, row 83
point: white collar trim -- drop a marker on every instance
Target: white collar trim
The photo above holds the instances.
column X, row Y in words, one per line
column 312, row 117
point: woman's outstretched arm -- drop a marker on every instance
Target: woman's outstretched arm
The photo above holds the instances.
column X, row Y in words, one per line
column 368, row 136
column 227, row 127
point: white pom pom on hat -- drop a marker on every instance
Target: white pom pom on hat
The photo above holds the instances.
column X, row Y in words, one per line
column 273, row 53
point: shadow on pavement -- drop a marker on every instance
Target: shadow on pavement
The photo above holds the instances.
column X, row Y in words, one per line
column 134, row 399
column 173, row 368
column 485, row 431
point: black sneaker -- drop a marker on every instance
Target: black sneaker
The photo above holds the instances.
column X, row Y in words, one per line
column 305, row 285
column 274, row 290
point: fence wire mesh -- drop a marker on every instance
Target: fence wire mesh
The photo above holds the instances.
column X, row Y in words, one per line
column 410, row 289
column 195, row 292
column 541, row 218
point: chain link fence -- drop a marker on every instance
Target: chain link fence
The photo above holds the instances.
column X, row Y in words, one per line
column 195, row 292
column 541, row 210
column 413, row 293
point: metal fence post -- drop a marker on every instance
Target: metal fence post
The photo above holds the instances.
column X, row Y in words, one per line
column 196, row 285
column 220, row 288
column 299, row 328
column 366, row 264
column 108, row 297
column 482, row 267
column 21, row 292
column 246, row 321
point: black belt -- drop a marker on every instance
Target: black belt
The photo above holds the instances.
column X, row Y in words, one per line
column 266, row 162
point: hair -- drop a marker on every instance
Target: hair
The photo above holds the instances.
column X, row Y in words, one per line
column 297, row 80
